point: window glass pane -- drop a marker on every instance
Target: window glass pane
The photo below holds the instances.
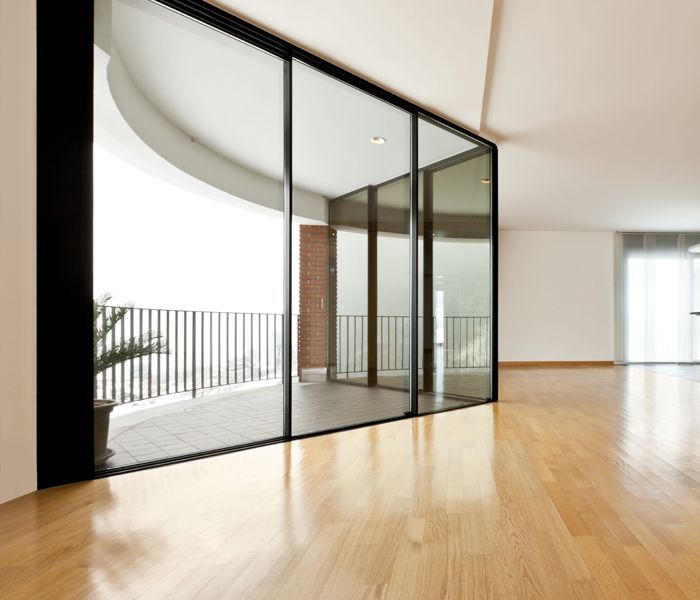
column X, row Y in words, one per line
column 351, row 209
column 454, row 269
column 188, row 232
column 659, row 292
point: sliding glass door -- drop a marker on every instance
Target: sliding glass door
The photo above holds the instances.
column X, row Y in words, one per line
column 354, row 260
column 277, row 244
column 188, row 237
column 454, row 269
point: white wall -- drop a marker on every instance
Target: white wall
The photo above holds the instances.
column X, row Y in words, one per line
column 17, row 248
column 556, row 296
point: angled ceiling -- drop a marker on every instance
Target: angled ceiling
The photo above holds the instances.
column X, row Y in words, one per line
column 594, row 104
column 417, row 49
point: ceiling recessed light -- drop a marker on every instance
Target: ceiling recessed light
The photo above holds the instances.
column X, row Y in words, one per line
column 486, row 180
column 377, row 139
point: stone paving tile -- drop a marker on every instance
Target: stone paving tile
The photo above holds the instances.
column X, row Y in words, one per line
column 175, row 449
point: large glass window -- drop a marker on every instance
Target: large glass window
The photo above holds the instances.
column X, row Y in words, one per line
column 454, row 269
column 658, row 290
column 352, row 150
column 193, row 257
column 188, row 237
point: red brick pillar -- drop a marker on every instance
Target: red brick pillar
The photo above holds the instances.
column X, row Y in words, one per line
column 317, row 302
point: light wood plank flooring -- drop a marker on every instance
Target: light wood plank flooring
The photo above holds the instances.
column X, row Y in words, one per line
column 580, row 483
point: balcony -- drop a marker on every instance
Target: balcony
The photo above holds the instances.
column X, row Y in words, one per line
column 216, row 381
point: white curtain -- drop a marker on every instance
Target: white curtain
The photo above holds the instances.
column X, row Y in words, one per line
column 657, row 287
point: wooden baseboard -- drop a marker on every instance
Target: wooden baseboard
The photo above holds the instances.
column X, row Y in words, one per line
column 557, row 363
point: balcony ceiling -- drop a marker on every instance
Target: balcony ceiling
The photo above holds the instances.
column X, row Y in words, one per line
column 227, row 97
column 594, row 104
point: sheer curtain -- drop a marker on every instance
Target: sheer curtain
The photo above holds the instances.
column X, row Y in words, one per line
column 657, row 287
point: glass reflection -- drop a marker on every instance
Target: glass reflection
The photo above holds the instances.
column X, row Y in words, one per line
column 354, row 260
column 454, row 269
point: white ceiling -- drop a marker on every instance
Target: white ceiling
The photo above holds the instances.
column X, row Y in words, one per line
column 416, row 48
column 594, row 105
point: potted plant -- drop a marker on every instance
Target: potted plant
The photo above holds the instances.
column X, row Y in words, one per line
column 105, row 319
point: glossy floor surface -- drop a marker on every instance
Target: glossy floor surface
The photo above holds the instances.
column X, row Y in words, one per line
column 580, row 483
column 684, row 371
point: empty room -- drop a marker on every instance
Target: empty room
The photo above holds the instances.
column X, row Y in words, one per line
column 318, row 300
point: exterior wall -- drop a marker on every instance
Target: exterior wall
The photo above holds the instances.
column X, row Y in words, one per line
column 17, row 248
column 317, row 299
column 556, row 296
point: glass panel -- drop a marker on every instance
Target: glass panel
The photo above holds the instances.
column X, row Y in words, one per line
column 454, row 269
column 188, row 230
column 393, row 283
column 351, row 210
column 659, row 294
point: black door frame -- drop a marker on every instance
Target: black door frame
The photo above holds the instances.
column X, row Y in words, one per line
column 65, row 228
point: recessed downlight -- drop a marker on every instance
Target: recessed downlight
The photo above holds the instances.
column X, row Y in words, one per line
column 485, row 181
column 378, row 140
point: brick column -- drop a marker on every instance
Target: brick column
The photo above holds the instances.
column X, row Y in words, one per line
column 317, row 302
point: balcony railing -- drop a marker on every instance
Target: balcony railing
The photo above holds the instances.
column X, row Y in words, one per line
column 203, row 350
column 461, row 342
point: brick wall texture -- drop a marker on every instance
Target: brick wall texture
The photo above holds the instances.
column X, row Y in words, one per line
column 317, row 255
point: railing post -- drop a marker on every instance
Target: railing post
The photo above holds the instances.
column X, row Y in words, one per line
column 131, row 361
column 201, row 364
column 167, row 355
column 141, row 357
column 104, row 350
column 413, row 239
column 150, row 364
column 123, row 365
column 194, row 354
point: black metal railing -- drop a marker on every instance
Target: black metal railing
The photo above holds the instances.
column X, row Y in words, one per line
column 199, row 350
column 461, row 342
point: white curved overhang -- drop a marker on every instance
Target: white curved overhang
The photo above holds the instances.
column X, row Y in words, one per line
column 200, row 108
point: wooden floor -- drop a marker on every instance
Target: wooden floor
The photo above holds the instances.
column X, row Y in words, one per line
column 580, row 483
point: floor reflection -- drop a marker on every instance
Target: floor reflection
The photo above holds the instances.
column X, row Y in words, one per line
column 581, row 482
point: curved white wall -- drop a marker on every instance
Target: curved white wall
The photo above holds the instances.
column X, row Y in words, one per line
column 122, row 100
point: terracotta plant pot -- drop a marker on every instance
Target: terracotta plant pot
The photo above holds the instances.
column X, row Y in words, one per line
column 103, row 408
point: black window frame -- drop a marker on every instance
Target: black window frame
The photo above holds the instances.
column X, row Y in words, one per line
column 65, row 230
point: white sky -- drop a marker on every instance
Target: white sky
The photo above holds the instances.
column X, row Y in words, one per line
column 157, row 245
column 160, row 246
column 460, row 267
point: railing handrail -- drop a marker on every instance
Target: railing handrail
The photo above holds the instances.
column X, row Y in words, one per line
column 279, row 314
column 197, row 310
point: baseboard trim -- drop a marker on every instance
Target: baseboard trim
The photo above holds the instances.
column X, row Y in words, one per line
column 557, row 363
